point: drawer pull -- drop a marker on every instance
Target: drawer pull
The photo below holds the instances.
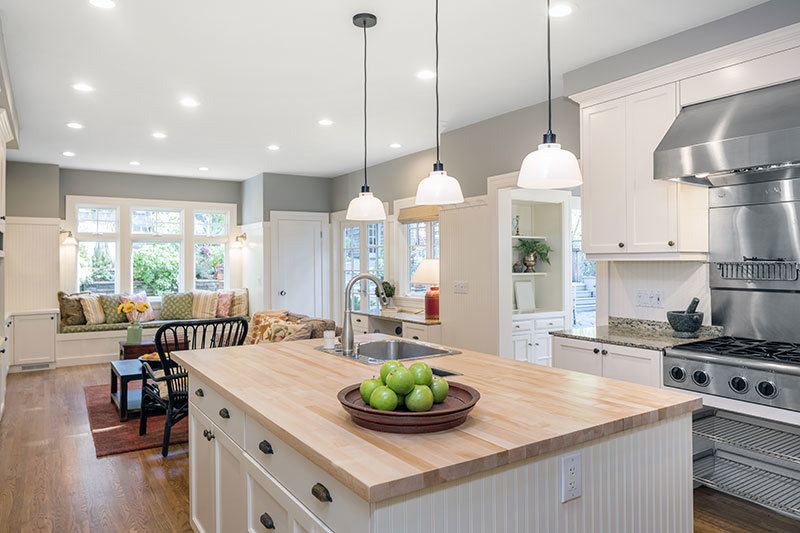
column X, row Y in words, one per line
column 210, row 436
column 224, row 413
column 266, row 521
column 199, row 392
column 415, row 337
column 596, row 350
column 604, row 352
column 321, row 493
column 671, row 243
column 205, row 433
column 265, row 447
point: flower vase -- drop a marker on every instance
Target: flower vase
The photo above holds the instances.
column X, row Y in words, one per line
column 134, row 333
column 530, row 262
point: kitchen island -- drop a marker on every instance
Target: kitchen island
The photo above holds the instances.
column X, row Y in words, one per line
column 272, row 449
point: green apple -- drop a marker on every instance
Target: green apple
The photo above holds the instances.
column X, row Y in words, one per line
column 387, row 368
column 400, row 380
column 422, row 373
column 383, row 398
column 367, row 387
column 419, row 399
column 439, row 388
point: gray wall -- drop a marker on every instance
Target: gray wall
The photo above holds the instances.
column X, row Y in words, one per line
column 760, row 19
column 284, row 192
column 472, row 153
column 32, row 190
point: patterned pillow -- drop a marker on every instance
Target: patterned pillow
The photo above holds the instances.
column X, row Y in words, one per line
column 240, row 306
column 204, row 304
column 147, row 316
column 110, row 302
column 319, row 326
column 277, row 330
column 92, row 309
column 71, row 309
column 224, row 304
column 302, row 332
column 261, row 321
column 176, row 306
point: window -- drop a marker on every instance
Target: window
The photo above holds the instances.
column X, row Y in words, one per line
column 376, row 264
column 210, row 224
column 210, row 247
column 97, row 267
column 156, row 267
column 363, row 240
column 351, row 257
column 156, row 222
column 422, row 240
column 97, row 220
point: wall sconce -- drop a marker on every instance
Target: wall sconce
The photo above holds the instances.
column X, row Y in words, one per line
column 70, row 240
column 240, row 240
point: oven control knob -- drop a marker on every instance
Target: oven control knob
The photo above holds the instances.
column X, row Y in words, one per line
column 700, row 378
column 739, row 384
column 767, row 389
column 677, row 373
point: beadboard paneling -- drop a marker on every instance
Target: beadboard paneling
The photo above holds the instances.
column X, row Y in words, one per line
column 637, row 481
column 679, row 281
column 31, row 263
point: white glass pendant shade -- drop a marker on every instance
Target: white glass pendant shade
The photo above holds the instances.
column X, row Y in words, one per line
column 439, row 189
column 549, row 167
column 366, row 207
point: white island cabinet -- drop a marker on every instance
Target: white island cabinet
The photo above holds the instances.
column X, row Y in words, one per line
column 272, row 450
column 636, row 365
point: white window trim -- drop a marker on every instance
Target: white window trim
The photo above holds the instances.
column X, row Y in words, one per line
column 401, row 258
column 125, row 238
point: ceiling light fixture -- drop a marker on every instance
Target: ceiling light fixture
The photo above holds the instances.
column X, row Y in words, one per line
column 395, row 145
column 159, row 135
column 549, row 167
column 82, row 87
column 68, row 154
column 134, row 163
column 561, row 9
column 426, row 74
column 203, row 169
column 188, row 101
column 365, row 206
column 103, row 4
column 325, row 122
column 273, row 147
column 75, row 125
column 438, row 188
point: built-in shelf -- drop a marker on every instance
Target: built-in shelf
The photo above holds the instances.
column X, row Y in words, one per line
column 526, row 274
column 530, row 237
column 752, row 437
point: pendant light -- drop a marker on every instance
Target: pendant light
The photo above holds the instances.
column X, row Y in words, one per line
column 549, row 167
column 438, row 188
column 365, row 206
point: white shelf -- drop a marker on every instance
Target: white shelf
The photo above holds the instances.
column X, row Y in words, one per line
column 525, row 274
column 531, row 237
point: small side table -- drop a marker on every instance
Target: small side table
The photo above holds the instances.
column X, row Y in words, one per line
column 122, row 373
column 134, row 351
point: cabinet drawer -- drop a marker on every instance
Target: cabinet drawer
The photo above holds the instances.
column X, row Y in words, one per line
column 346, row 511
column 521, row 325
column 550, row 324
column 415, row 332
column 220, row 411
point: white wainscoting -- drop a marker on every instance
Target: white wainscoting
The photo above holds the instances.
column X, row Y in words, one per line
column 255, row 267
column 31, row 263
column 638, row 481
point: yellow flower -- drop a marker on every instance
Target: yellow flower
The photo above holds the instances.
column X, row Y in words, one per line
column 120, row 308
column 142, row 307
column 128, row 307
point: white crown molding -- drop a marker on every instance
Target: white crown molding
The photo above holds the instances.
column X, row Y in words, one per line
column 725, row 56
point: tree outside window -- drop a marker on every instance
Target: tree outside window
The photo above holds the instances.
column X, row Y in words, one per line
column 97, row 267
column 156, row 267
column 209, row 266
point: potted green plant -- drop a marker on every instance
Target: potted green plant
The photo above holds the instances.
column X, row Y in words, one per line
column 388, row 289
column 533, row 250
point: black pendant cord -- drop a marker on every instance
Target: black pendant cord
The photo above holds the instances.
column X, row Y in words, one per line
column 438, row 166
column 365, row 188
column 549, row 137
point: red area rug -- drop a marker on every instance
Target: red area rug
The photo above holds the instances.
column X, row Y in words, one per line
column 112, row 436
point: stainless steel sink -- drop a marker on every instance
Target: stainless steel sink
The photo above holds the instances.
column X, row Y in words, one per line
column 376, row 352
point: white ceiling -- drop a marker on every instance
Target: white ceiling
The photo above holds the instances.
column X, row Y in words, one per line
column 266, row 71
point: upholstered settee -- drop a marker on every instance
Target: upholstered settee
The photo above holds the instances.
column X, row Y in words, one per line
column 283, row 325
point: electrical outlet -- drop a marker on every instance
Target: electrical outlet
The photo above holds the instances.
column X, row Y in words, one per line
column 650, row 298
column 571, row 477
column 641, row 298
column 460, row 287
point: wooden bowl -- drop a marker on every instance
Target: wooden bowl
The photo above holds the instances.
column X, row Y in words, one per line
column 446, row 415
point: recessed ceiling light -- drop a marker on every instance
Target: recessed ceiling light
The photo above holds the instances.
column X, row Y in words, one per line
column 395, row 145
column 426, row 74
column 83, row 87
column 560, row 10
column 273, row 147
column 159, row 135
column 68, row 154
column 75, row 125
column 103, row 4
column 203, row 169
column 188, row 101
column 134, row 163
column 325, row 122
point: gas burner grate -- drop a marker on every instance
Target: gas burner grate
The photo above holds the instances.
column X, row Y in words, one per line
column 759, row 270
column 785, row 352
column 760, row 439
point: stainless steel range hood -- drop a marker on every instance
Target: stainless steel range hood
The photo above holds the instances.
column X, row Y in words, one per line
column 753, row 136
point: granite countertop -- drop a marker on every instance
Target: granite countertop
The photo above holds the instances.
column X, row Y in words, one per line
column 647, row 334
column 400, row 316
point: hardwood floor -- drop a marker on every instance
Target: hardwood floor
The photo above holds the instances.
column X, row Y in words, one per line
column 50, row 479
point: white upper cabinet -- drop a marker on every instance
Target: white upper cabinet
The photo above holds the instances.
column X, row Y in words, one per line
column 627, row 214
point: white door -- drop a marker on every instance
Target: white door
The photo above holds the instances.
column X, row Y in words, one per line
column 603, row 195
column 363, row 252
column 33, row 338
column 652, row 204
column 230, row 501
column 577, row 355
column 632, row 364
column 201, row 473
column 299, row 253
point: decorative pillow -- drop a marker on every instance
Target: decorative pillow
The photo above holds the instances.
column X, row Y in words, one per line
column 277, row 330
column 258, row 321
column 204, row 304
column 303, row 331
column 147, row 316
column 110, row 303
column 224, row 304
column 71, row 309
column 318, row 326
column 240, row 306
column 176, row 306
column 93, row 309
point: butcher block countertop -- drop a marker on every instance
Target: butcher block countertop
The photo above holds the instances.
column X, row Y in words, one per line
column 525, row 411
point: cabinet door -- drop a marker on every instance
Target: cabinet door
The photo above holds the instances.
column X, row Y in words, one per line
column 519, row 345
column 632, row 364
column 34, row 339
column 541, row 351
column 603, row 197
column 231, row 507
column 415, row 332
column 577, row 355
column 652, row 212
column 201, row 473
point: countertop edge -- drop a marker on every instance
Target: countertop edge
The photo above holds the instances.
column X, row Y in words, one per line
column 643, row 345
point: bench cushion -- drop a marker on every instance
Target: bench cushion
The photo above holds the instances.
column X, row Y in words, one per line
column 86, row 328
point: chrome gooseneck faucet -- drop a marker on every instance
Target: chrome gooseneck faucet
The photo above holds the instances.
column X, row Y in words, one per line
column 348, row 347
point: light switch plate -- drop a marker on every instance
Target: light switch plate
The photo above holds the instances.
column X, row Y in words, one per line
column 460, row 287
column 571, row 477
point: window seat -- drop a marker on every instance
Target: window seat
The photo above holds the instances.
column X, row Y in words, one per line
column 88, row 328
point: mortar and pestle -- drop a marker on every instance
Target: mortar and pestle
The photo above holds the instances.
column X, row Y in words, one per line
column 686, row 323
